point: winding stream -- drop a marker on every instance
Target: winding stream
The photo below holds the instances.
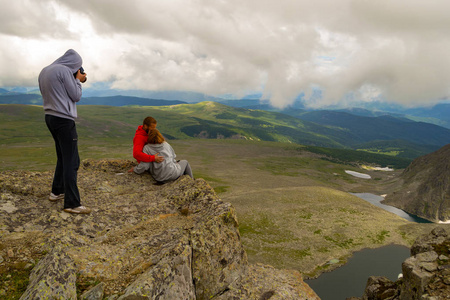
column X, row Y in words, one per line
column 376, row 200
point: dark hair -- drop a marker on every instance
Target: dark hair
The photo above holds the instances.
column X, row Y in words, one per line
column 155, row 137
column 149, row 120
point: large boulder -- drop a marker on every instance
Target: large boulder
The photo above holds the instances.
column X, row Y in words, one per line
column 171, row 275
column 379, row 287
column 52, row 278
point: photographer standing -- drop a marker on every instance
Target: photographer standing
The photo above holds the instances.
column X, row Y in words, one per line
column 60, row 86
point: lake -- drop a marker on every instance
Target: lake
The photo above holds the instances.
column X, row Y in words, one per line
column 351, row 279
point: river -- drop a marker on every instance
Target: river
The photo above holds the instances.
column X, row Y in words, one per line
column 350, row 279
column 376, row 200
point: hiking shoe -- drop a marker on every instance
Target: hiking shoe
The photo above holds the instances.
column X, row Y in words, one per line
column 54, row 197
column 78, row 210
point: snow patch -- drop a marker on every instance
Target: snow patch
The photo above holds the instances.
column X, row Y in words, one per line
column 357, row 174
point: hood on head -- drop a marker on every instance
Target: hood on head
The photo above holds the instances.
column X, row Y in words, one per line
column 157, row 146
column 70, row 59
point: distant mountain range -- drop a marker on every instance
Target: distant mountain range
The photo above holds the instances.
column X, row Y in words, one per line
column 394, row 133
column 385, row 134
column 437, row 115
column 185, row 96
column 127, row 101
column 382, row 128
column 36, row 99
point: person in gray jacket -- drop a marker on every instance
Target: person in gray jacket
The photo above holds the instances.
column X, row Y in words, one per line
column 169, row 169
column 60, row 86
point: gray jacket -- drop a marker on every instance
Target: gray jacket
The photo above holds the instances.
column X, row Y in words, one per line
column 59, row 88
column 167, row 170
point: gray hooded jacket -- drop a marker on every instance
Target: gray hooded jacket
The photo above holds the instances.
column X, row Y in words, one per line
column 59, row 88
column 167, row 170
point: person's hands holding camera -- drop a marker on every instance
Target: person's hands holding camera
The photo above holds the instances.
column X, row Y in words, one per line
column 81, row 76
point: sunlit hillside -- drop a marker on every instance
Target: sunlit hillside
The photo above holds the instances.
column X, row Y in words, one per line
column 104, row 131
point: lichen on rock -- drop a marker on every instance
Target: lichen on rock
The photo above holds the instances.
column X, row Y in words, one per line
column 53, row 277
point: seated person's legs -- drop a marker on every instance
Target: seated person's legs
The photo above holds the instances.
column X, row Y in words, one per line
column 186, row 168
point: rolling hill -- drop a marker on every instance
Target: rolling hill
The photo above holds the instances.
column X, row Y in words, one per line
column 14, row 98
column 381, row 128
column 384, row 134
column 216, row 120
column 114, row 127
column 437, row 115
column 332, row 129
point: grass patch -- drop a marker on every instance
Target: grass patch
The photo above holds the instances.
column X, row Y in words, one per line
column 41, row 156
column 265, row 229
column 199, row 174
column 14, row 281
column 256, row 225
column 443, row 248
column 381, row 237
column 287, row 166
column 289, row 253
column 323, row 250
column 216, row 183
column 324, row 267
column 221, row 189
column 340, row 241
column 306, row 216
column 353, row 156
column 297, row 166
column 85, row 283
column 349, row 210
column 378, row 151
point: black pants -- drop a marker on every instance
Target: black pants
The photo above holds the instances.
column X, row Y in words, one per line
column 65, row 135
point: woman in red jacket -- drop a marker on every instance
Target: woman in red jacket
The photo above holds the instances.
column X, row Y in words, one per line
column 140, row 139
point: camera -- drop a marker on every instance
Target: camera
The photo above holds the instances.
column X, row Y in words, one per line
column 82, row 72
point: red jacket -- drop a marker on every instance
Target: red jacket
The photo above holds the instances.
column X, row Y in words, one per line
column 139, row 141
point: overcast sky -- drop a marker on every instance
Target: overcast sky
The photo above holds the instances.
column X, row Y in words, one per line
column 394, row 50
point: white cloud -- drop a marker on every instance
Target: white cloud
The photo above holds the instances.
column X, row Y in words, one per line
column 32, row 19
column 350, row 49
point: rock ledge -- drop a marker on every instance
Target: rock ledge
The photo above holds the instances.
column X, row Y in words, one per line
column 142, row 241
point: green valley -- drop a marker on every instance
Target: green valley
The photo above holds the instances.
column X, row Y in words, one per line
column 292, row 200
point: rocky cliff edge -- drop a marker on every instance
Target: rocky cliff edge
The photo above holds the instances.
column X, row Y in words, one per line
column 141, row 241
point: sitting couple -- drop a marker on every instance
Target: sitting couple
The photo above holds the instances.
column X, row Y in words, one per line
column 148, row 143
